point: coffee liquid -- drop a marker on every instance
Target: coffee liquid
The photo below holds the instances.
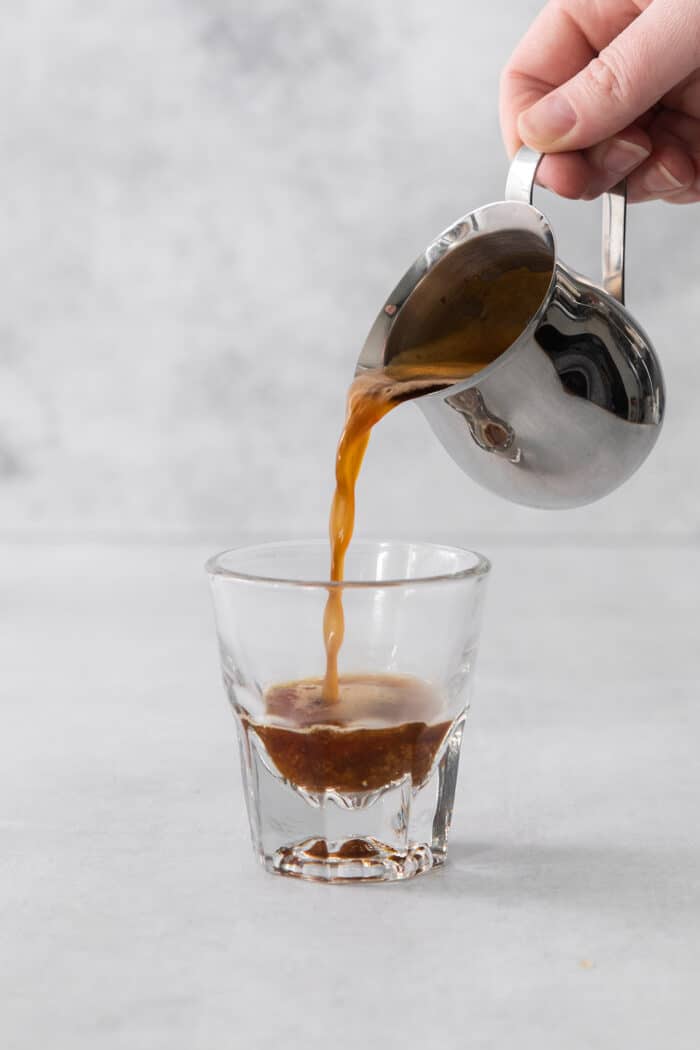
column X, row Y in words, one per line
column 487, row 318
column 380, row 728
column 357, row 733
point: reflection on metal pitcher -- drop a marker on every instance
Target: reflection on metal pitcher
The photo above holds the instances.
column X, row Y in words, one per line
column 490, row 433
column 579, row 384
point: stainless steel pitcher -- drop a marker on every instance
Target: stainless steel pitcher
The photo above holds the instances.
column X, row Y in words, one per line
column 574, row 406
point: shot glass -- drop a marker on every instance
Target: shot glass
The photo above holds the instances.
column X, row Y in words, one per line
column 362, row 786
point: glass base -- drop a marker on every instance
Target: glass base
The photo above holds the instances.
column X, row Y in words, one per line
column 385, row 835
column 353, row 860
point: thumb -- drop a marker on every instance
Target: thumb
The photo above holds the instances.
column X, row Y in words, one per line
column 656, row 51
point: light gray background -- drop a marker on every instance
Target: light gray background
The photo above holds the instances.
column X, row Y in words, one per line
column 203, row 204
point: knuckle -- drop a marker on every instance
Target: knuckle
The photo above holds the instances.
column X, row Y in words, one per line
column 607, row 76
column 505, row 78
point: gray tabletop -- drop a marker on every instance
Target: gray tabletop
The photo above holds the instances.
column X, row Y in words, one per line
column 133, row 914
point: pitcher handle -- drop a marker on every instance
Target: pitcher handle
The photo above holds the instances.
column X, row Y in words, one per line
column 520, row 185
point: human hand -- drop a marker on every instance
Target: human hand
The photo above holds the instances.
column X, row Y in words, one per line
column 612, row 88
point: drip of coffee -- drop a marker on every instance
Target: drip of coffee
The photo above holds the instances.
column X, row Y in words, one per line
column 475, row 329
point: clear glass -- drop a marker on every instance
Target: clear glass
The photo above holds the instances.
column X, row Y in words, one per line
column 362, row 788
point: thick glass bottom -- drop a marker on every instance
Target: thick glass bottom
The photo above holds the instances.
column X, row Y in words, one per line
column 354, row 860
column 388, row 834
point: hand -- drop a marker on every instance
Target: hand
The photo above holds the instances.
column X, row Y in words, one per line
column 612, row 87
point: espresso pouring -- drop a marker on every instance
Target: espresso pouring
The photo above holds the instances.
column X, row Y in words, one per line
column 354, row 733
column 487, row 319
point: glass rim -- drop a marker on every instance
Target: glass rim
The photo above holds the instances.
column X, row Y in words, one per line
column 215, row 568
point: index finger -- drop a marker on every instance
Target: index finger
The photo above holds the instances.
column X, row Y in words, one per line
column 561, row 42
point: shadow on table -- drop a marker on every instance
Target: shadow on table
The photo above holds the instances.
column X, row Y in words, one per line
column 596, row 876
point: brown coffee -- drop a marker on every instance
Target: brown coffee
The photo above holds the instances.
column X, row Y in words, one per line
column 380, row 728
column 480, row 324
column 357, row 733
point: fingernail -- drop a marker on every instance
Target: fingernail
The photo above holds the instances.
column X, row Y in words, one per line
column 621, row 156
column 660, row 180
column 547, row 121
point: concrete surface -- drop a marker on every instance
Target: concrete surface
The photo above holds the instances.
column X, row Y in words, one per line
column 134, row 916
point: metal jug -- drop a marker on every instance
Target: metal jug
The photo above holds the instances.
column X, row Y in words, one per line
column 574, row 406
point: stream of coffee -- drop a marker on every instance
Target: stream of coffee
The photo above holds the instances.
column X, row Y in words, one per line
column 356, row 733
column 489, row 317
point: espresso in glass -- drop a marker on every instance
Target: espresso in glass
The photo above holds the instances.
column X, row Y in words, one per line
column 379, row 729
column 353, row 733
